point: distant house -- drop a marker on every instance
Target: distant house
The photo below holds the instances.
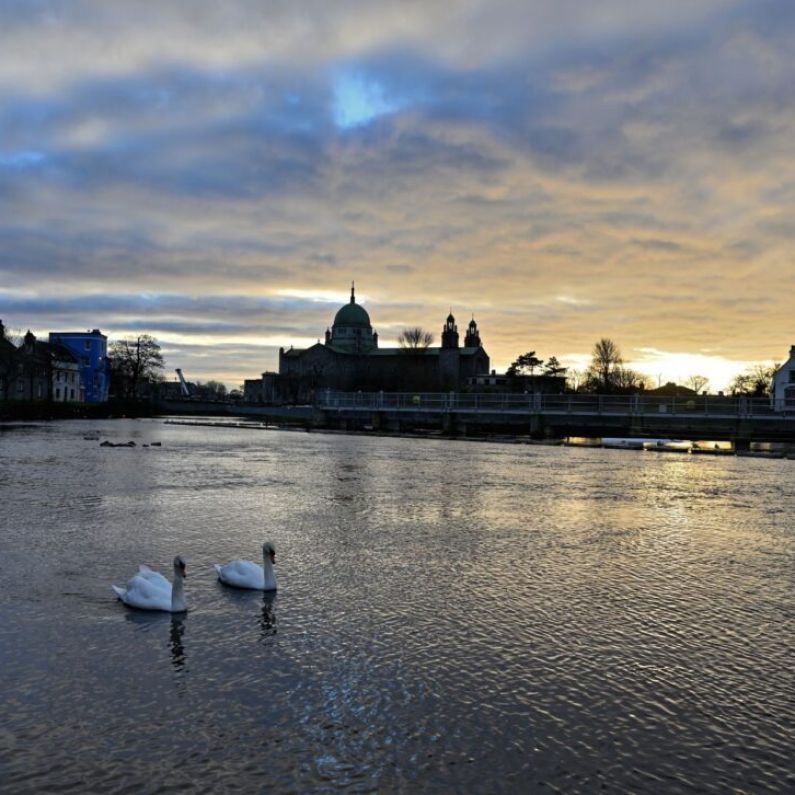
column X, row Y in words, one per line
column 522, row 383
column 783, row 391
column 8, row 360
column 43, row 372
column 672, row 390
column 252, row 390
column 91, row 350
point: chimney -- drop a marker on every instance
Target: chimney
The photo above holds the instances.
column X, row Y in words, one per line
column 791, row 350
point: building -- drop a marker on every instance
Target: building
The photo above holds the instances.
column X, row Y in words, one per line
column 38, row 371
column 91, row 350
column 8, row 365
column 350, row 360
column 519, row 383
column 783, row 389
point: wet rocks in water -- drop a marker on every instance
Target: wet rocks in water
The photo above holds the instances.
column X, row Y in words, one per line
column 106, row 443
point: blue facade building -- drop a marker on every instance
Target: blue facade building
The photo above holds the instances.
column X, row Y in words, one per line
column 91, row 350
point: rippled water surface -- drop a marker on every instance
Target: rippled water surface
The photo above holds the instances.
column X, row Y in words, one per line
column 451, row 616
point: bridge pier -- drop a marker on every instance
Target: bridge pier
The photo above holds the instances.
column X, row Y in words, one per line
column 537, row 426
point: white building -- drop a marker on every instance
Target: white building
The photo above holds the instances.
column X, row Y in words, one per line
column 66, row 385
column 783, row 392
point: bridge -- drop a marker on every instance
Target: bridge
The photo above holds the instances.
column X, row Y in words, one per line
column 704, row 417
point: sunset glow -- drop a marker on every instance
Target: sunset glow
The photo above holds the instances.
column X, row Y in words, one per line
column 563, row 171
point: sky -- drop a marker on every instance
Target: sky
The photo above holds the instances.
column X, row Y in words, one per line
column 216, row 175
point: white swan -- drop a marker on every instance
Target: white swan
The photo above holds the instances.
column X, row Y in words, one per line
column 245, row 574
column 149, row 590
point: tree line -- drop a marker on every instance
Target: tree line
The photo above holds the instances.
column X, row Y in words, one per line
column 134, row 365
column 607, row 373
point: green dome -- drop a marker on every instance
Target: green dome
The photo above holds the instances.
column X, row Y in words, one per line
column 352, row 315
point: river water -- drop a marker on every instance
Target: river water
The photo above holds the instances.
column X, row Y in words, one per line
column 451, row 616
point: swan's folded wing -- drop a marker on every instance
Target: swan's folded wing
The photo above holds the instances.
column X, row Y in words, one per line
column 154, row 577
column 242, row 574
column 147, row 595
column 245, row 567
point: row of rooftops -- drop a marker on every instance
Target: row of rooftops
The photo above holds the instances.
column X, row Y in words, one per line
column 31, row 345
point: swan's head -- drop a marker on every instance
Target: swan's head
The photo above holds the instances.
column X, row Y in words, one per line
column 180, row 567
column 268, row 551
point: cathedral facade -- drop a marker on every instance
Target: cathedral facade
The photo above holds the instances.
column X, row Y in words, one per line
column 350, row 360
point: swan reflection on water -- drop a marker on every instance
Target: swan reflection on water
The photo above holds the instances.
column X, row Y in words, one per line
column 248, row 600
column 178, row 656
column 267, row 620
column 145, row 620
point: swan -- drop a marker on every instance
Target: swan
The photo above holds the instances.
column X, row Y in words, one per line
column 149, row 590
column 245, row 574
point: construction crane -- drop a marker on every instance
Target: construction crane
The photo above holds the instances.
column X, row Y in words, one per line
column 183, row 386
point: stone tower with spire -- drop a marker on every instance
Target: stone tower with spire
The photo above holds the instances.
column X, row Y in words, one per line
column 472, row 339
column 450, row 333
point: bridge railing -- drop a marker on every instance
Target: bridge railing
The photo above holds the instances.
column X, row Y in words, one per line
column 537, row 403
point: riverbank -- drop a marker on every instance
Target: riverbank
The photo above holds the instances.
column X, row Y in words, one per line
column 13, row 411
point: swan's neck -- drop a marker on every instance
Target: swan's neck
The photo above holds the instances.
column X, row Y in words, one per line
column 178, row 594
column 267, row 570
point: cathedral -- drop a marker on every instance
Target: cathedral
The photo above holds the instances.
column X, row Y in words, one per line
column 350, row 360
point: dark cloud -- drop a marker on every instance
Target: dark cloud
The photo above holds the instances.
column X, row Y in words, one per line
column 658, row 245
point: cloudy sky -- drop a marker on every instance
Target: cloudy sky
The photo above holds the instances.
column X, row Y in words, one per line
column 216, row 174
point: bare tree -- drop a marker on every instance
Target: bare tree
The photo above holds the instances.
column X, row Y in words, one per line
column 415, row 339
column 756, row 381
column 212, row 390
column 626, row 380
column 134, row 362
column 698, row 383
column 15, row 336
column 575, row 378
column 606, row 361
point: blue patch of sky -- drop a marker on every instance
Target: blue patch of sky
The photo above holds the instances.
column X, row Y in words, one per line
column 359, row 99
column 22, row 159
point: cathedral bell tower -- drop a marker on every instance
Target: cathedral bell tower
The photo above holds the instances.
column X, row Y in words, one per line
column 450, row 333
column 472, row 339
